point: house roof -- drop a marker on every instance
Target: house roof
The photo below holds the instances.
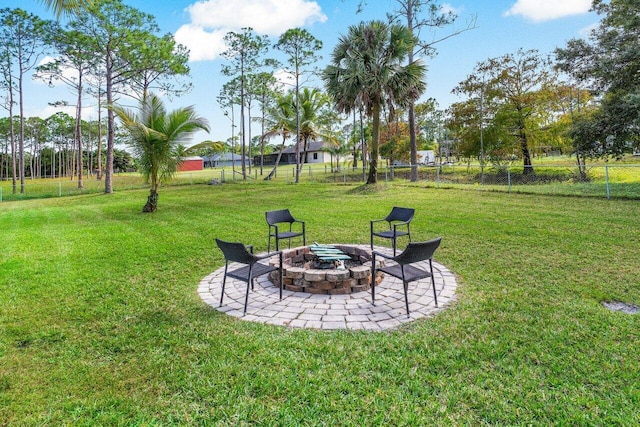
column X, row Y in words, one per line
column 313, row 146
column 227, row 157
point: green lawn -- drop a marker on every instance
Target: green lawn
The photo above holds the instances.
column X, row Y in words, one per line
column 101, row 324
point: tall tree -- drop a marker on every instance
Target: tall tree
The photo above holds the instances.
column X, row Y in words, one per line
column 155, row 136
column 420, row 15
column 608, row 63
column 513, row 84
column 161, row 63
column 244, row 51
column 76, row 55
column 8, row 85
column 116, row 31
column 301, row 49
column 228, row 97
column 265, row 88
column 367, row 70
column 281, row 119
column 24, row 36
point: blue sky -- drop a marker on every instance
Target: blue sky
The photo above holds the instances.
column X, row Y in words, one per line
column 502, row 26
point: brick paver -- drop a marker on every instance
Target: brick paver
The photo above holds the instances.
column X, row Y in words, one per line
column 330, row 312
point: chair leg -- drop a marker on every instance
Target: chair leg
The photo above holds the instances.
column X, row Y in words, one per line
column 433, row 283
column 246, row 297
column 280, row 274
column 406, row 296
column 373, row 279
column 224, row 280
column 269, row 243
column 393, row 240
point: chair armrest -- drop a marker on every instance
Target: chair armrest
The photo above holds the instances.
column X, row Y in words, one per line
column 373, row 221
column 398, row 224
column 249, row 248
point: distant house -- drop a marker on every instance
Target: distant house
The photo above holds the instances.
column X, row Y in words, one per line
column 225, row 159
column 315, row 154
column 191, row 164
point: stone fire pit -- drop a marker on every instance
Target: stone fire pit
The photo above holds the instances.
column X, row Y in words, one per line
column 302, row 275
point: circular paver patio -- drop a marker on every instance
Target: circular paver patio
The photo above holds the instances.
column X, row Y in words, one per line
column 354, row 311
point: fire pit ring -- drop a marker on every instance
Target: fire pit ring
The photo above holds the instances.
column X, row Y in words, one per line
column 301, row 272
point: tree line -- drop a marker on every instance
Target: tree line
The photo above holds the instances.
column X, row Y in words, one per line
column 582, row 101
column 107, row 50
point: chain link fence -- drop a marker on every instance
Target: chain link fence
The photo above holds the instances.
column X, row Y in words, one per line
column 606, row 181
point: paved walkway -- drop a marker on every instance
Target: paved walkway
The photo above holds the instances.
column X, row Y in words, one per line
column 354, row 311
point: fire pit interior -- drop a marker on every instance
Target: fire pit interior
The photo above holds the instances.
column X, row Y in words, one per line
column 333, row 269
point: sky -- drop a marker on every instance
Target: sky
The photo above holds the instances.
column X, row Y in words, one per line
column 501, row 27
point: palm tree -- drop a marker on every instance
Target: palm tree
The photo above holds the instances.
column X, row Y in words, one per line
column 65, row 6
column 156, row 137
column 367, row 71
column 315, row 119
column 281, row 119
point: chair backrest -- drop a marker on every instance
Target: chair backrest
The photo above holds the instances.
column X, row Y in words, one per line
column 235, row 252
column 276, row 217
column 418, row 251
column 400, row 214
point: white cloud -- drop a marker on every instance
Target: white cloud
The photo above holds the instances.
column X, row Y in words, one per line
column 545, row 10
column 202, row 44
column 212, row 19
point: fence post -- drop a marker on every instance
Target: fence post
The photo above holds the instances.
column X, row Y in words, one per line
column 222, row 175
column 344, row 180
column 386, row 173
column 0, row 194
column 191, row 178
column 60, row 189
column 606, row 178
column 438, row 176
column 509, row 178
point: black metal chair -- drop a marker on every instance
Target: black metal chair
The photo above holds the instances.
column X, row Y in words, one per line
column 403, row 269
column 238, row 252
column 398, row 218
column 283, row 216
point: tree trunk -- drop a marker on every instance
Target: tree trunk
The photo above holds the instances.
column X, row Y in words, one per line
column 78, row 132
column 21, row 137
column 152, row 202
column 108, row 178
column 375, row 141
column 275, row 167
column 355, row 144
column 99, row 153
column 526, row 155
column 412, row 106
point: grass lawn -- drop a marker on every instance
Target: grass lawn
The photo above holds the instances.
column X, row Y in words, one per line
column 100, row 322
